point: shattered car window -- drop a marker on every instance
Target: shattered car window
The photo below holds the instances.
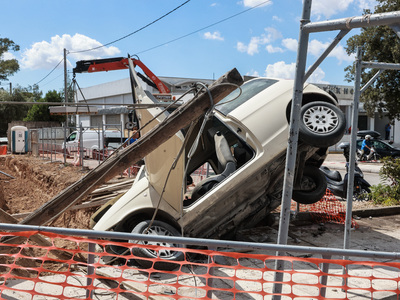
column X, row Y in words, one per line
column 249, row 89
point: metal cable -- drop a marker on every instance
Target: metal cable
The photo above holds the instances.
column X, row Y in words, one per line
column 136, row 31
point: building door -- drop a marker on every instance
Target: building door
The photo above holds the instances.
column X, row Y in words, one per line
column 363, row 123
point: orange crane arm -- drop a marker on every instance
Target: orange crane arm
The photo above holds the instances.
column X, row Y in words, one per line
column 118, row 63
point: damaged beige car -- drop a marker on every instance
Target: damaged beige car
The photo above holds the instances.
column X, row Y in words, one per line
column 230, row 173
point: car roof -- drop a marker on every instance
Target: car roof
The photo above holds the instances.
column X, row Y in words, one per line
column 372, row 133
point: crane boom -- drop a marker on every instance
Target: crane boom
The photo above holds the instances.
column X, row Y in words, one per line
column 118, row 63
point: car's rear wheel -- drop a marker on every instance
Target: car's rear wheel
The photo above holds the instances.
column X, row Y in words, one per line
column 313, row 186
column 322, row 124
column 158, row 228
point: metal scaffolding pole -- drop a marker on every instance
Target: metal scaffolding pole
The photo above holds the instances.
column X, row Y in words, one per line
column 370, row 20
column 345, row 25
column 353, row 148
column 291, row 152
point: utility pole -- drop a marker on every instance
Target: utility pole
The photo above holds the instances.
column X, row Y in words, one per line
column 10, row 88
column 65, row 84
column 65, row 76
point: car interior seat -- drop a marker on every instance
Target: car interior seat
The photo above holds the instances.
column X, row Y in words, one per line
column 226, row 163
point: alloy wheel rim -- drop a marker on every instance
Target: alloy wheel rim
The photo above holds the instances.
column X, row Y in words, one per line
column 320, row 119
column 160, row 231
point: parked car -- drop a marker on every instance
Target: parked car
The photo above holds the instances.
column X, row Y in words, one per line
column 243, row 147
column 382, row 148
column 374, row 134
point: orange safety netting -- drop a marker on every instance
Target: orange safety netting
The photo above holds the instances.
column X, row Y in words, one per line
column 58, row 271
column 328, row 209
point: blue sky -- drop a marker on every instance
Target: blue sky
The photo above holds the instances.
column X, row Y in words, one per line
column 261, row 41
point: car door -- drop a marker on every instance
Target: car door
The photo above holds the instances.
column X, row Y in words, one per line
column 382, row 149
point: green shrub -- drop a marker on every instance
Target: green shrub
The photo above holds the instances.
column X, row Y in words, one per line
column 391, row 170
column 384, row 194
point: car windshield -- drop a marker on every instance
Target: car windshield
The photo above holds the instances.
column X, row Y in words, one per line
column 381, row 145
column 249, row 89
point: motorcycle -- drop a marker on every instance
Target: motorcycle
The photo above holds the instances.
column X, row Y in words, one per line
column 338, row 185
column 372, row 156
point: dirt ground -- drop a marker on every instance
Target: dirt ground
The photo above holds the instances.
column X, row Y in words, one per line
column 35, row 182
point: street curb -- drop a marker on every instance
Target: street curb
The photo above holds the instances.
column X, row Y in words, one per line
column 377, row 211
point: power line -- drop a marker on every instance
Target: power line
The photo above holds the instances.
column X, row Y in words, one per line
column 160, row 45
column 117, row 40
column 52, row 79
column 136, row 31
column 50, row 72
column 203, row 28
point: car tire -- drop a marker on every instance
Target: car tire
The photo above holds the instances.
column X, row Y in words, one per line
column 159, row 228
column 313, row 184
column 322, row 124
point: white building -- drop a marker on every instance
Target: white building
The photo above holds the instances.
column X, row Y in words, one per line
column 120, row 93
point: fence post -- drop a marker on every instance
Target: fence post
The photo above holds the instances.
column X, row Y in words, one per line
column 90, row 269
column 102, row 135
column 324, row 278
column 80, row 144
column 65, row 143
column 51, row 143
column 47, row 142
column 42, row 139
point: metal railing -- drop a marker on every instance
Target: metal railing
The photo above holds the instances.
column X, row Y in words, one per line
column 219, row 247
column 52, row 143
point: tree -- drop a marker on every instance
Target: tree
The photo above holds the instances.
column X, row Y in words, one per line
column 380, row 44
column 40, row 112
column 12, row 112
column 7, row 66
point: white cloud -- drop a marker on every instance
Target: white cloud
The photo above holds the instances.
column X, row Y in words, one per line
column 241, row 47
column 317, row 76
column 328, row 8
column 253, row 47
column 276, row 18
column 272, row 49
column 213, row 36
column 253, row 73
column 280, row 70
column 290, row 44
column 366, row 4
column 45, row 55
column 272, row 34
column 8, row 56
column 252, row 3
column 317, row 47
column 286, row 71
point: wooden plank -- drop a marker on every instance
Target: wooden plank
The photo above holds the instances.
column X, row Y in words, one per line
column 113, row 166
column 75, row 207
column 37, row 238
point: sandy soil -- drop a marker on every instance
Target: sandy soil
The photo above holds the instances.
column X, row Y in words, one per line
column 35, row 182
